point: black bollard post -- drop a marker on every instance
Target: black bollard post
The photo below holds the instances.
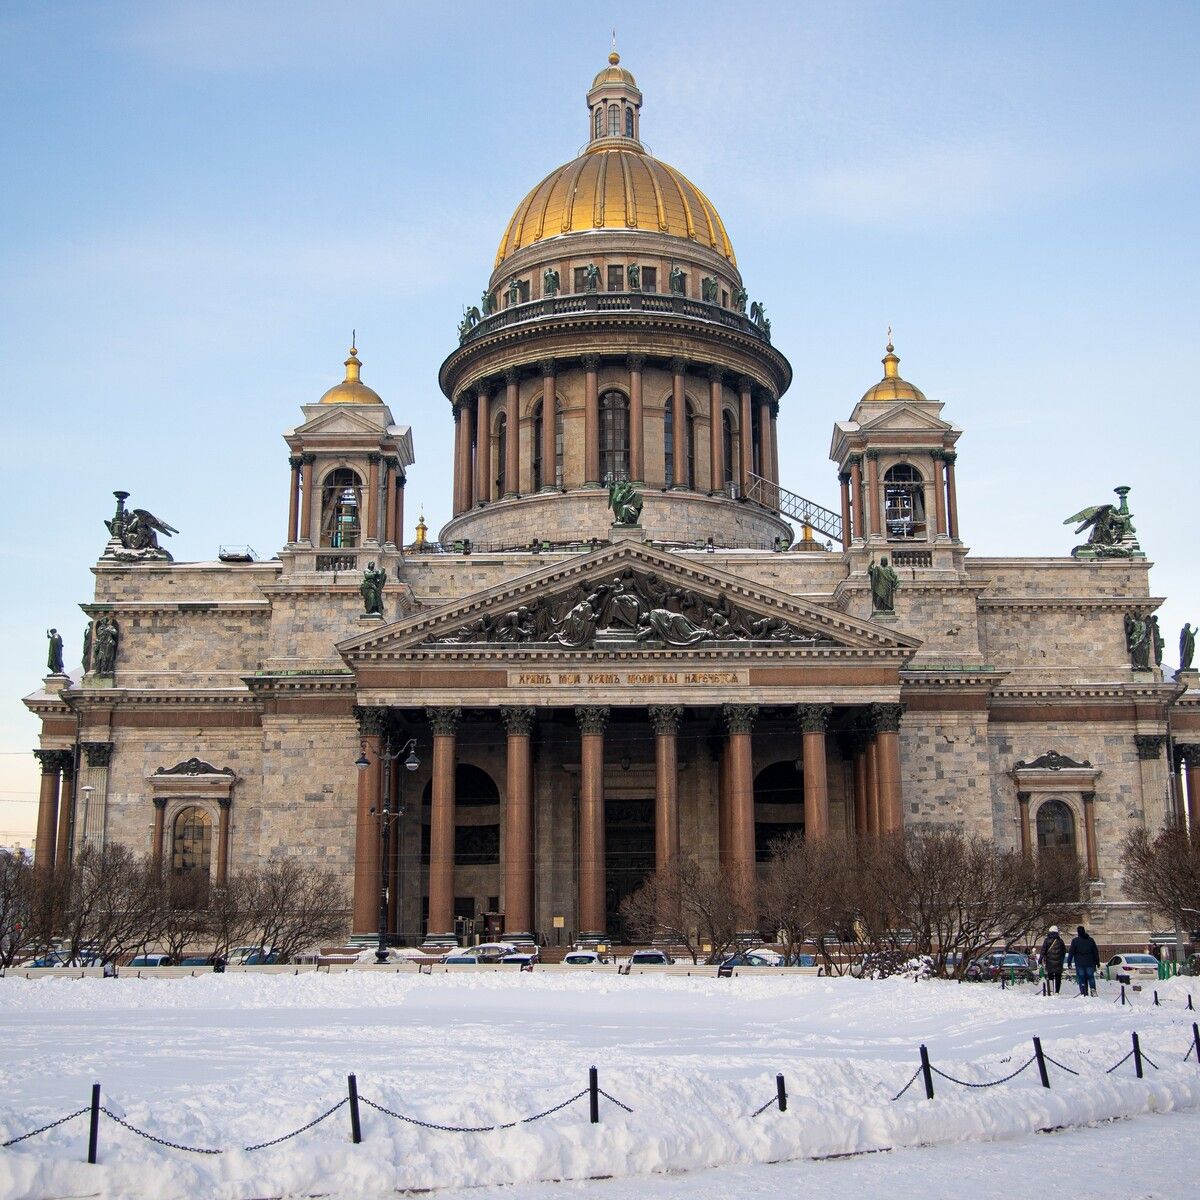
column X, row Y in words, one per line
column 94, row 1130
column 594, row 1095
column 1003, row 985
column 1137, row 1056
column 355, row 1123
column 925, row 1070
column 1123, row 1000
column 1190, row 1009
column 1041, row 1061
column 1156, row 997
column 781, row 1093
column 1196, row 1041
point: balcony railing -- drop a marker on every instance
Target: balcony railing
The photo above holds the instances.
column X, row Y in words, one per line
column 581, row 302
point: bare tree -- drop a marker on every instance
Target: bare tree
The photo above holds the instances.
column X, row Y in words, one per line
column 106, row 903
column 1164, row 873
column 292, row 905
column 16, row 906
column 228, row 919
column 690, row 904
column 183, row 919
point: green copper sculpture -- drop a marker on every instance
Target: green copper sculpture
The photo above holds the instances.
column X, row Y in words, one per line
column 1187, row 646
column 372, row 590
column 884, row 582
column 625, row 502
column 54, row 658
column 1112, row 531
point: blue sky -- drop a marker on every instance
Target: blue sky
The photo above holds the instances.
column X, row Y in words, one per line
column 202, row 199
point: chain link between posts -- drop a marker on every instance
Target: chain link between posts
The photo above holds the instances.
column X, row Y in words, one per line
column 45, row 1128
column 484, row 1128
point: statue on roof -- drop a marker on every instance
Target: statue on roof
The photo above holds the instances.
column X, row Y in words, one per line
column 740, row 297
column 54, row 658
column 550, row 282
column 1138, row 641
column 134, row 533
column 625, row 502
column 488, row 303
column 1111, row 526
column 676, row 281
column 884, row 582
column 634, row 271
column 1187, row 646
column 371, row 588
column 105, row 643
column 591, row 278
column 471, row 318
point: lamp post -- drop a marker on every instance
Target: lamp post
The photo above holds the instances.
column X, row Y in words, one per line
column 386, row 815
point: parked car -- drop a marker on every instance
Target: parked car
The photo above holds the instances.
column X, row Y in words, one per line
column 152, row 960
column 493, row 952
column 461, row 958
column 582, row 958
column 198, row 960
column 521, row 959
column 262, row 958
column 650, row 958
column 1133, row 968
column 748, row 958
column 1006, row 963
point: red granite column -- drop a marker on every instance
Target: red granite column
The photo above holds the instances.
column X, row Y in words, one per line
column 716, row 436
column 389, row 506
column 1192, row 759
column 466, row 428
column 856, row 484
column 1089, row 833
column 440, row 927
column 873, row 507
column 398, row 519
column 951, row 493
column 224, row 805
column 844, row 480
column 47, row 820
column 371, row 725
column 887, row 736
column 814, row 721
column 512, row 444
column 518, row 827
column 591, row 422
column 939, row 494
column 306, row 498
column 860, row 786
column 637, row 420
column 66, row 809
column 765, row 455
column 483, row 445
column 371, row 528
column 592, row 914
column 679, row 446
column 874, row 827
column 775, row 442
column 294, row 462
column 739, row 719
column 156, row 836
column 549, row 422
column 723, row 819
column 665, row 721
column 1026, row 840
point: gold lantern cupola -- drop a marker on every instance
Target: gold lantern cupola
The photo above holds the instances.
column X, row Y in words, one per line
column 351, row 390
column 891, row 387
column 614, row 107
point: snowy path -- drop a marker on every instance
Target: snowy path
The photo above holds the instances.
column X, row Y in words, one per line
column 225, row 1061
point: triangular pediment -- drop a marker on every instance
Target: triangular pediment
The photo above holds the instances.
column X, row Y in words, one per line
column 343, row 420
column 908, row 418
column 627, row 597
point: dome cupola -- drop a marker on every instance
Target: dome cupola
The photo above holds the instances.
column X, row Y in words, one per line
column 351, row 390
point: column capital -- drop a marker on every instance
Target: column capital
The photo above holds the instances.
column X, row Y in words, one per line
column 1088, row 797
column 592, row 718
column 68, row 764
column 949, row 457
column 871, row 454
column 518, row 720
column 444, row 721
column 99, row 754
column 547, row 366
column 854, row 460
column 309, row 458
column 814, row 718
column 843, row 477
column 512, row 375
column 225, row 802
column 591, row 362
column 745, row 384
column 716, row 374
column 372, row 720
column 679, row 365
column 885, row 718
column 1024, row 797
column 1188, row 753
column 1149, row 745
column 635, row 362
column 295, row 461
column 401, row 478
column 665, row 718
column 51, row 760
column 773, row 405
column 160, row 802
column 374, row 457
column 739, row 718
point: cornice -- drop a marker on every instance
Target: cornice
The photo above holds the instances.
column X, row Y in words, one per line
column 1141, row 604
column 189, row 606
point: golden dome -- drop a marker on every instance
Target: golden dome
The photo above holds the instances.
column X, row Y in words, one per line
column 891, row 387
column 616, row 187
column 614, row 73
column 351, row 390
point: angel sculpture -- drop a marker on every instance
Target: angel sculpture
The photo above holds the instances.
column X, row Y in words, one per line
column 1110, row 526
column 137, row 530
column 625, row 502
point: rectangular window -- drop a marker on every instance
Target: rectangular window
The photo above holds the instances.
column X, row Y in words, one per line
column 523, row 290
column 724, row 298
column 649, row 279
column 581, row 279
column 616, row 279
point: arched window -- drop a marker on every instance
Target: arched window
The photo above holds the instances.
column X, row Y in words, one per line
column 778, row 806
column 1055, row 827
column 904, row 502
column 614, row 437
column 727, row 446
column 669, row 444
column 501, row 441
column 614, row 121
column 341, row 505
column 558, row 443
column 191, row 842
column 600, row 121
column 629, row 122
column 476, row 838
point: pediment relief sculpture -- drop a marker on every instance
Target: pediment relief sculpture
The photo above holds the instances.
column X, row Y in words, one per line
column 631, row 607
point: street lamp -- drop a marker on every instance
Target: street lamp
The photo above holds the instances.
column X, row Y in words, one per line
column 386, row 815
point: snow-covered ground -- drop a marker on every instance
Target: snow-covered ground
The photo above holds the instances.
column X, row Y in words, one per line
column 229, row 1061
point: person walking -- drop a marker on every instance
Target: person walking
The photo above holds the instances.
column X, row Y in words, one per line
column 1084, row 954
column 1054, row 950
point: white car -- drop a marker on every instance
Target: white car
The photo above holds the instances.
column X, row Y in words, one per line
column 582, row 958
column 1136, row 966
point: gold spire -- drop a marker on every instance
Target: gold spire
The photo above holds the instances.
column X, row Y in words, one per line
column 352, row 390
column 891, row 364
column 352, row 364
column 892, row 387
column 613, row 56
column 422, row 528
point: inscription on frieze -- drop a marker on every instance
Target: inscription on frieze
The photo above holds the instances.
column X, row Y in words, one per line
column 627, row 679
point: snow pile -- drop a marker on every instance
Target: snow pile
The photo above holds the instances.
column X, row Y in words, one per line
column 230, row 1061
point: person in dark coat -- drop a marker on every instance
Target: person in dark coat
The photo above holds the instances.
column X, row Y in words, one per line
column 1084, row 954
column 1054, row 951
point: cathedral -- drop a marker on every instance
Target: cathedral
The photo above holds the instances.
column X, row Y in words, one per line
column 631, row 641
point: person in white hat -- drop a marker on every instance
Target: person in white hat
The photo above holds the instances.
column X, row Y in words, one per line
column 1054, row 951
